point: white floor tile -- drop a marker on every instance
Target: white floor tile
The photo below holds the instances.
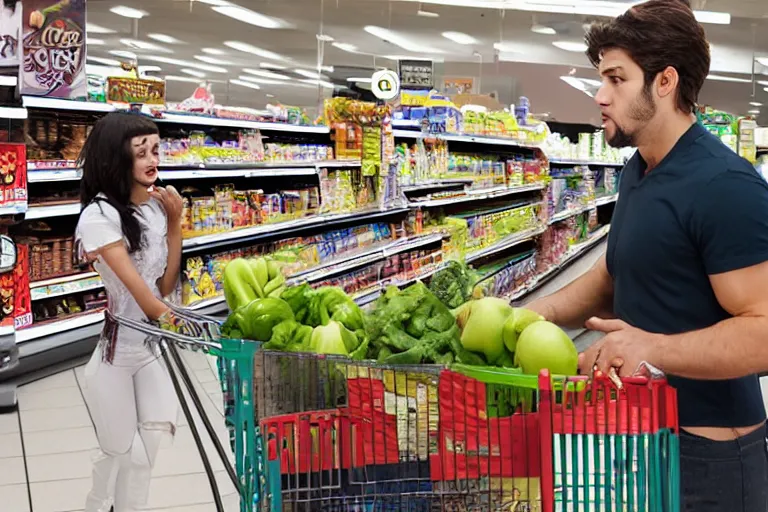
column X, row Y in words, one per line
column 231, row 504
column 51, row 399
column 54, row 419
column 10, row 445
column 195, row 360
column 61, row 466
column 205, row 376
column 12, row 472
column 64, row 379
column 183, row 460
column 184, row 490
column 9, row 422
column 59, row 496
column 14, row 498
column 60, row 441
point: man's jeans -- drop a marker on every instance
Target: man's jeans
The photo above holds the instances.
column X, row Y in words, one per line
column 724, row 476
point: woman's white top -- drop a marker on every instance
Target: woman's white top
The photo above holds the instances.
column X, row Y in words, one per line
column 100, row 226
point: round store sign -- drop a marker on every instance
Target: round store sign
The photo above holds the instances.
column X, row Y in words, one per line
column 385, row 84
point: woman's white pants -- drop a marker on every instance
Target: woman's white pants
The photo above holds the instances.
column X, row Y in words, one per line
column 133, row 406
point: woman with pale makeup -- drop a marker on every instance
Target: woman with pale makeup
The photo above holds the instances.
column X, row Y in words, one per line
column 130, row 229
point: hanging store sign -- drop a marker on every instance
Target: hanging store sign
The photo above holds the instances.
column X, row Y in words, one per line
column 385, row 84
column 53, row 49
column 417, row 74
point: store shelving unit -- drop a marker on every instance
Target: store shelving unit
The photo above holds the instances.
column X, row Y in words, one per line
column 49, row 335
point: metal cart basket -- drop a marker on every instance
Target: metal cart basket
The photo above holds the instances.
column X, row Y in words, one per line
column 323, row 433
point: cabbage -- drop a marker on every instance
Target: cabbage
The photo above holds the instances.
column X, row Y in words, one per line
column 333, row 338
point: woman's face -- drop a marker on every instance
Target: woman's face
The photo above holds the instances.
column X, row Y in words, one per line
column 146, row 157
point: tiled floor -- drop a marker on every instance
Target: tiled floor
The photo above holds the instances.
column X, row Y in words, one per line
column 47, row 445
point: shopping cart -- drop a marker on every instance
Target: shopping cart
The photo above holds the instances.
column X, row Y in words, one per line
column 323, row 433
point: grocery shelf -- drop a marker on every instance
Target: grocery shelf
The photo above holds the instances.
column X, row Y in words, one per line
column 200, row 120
column 600, row 201
column 13, row 113
column 406, row 123
column 63, row 279
column 505, row 243
column 57, row 210
column 452, row 137
column 59, row 286
column 559, row 217
column 46, row 175
column 591, row 163
column 436, row 185
column 56, row 327
column 13, row 209
column 336, row 164
column 59, row 104
column 575, row 252
column 244, row 172
column 478, row 195
column 282, row 228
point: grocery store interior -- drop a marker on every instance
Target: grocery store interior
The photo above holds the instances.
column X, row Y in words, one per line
column 359, row 144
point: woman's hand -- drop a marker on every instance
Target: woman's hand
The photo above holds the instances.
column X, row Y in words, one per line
column 170, row 198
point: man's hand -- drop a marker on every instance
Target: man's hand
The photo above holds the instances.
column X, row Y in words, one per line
column 624, row 348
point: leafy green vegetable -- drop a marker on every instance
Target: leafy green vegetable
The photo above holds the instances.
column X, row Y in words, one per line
column 290, row 336
column 240, row 285
column 256, row 320
column 453, row 284
column 333, row 338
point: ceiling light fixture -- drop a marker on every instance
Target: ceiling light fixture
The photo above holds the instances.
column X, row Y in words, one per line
column 346, row 47
column 723, row 78
column 544, row 30
column 215, row 2
column 212, row 60
column 101, row 60
column 94, row 41
column 714, row 18
column 755, row 111
column 124, row 54
column 574, row 82
column 174, row 78
column 192, row 72
column 325, row 38
column 360, row 80
column 427, row 14
column 762, row 60
column 308, row 74
column 266, row 74
column 144, row 45
column 163, row 38
column 213, row 51
column 398, row 40
column 270, row 65
column 149, row 69
column 92, row 28
column 321, row 83
column 755, row 103
column 570, row 46
column 128, row 12
column 249, row 48
column 258, row 80
column 460, row 38
column 185, row 63
column 249, row 16
column 242, row 83
column 505, row 47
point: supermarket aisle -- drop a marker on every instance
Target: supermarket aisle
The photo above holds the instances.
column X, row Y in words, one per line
column 47, row 445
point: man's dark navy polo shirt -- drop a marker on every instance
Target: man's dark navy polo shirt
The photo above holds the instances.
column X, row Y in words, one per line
column 702, row 211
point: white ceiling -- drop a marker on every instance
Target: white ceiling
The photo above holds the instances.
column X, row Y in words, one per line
column 532, row 69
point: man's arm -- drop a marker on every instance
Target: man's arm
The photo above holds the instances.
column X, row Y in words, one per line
column 589, row 295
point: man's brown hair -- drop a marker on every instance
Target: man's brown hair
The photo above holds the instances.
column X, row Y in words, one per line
column 658, row 34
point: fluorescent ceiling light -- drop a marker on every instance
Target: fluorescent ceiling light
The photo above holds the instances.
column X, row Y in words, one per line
column 270, row 65
column 144, row 45
column 762, row 60
column 213, row 51
column 325, row 38
column 346, row 47
column 164, row 38
column 249, row 16
column 715, row 18
column 212, row 60
column 149, row 69
column 543, row 29
column 124, row 54
column 570, row 46
column 755, row 111
column 185, row 63
column 106, row 62
column 460, row 38
column 360, row 80
column 505, row 47
column 244, row 84
column 321, row 83
column 308, row 74
column 192, row 72
column 174, row 78
column 94, row 41
column 128, row 12
column 427, row 14
column 723, row 78
column 574, row 82
column 398, row 40
column 257, row 80
column 93, row 28
column 266, row 74
column 249, row 48
column 755, row 103
column 592, row 82
column 215, row 2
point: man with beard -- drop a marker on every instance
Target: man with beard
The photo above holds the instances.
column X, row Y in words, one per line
column 684, row 282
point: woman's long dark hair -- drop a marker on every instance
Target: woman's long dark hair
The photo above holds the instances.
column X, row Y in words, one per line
column 107, row 163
